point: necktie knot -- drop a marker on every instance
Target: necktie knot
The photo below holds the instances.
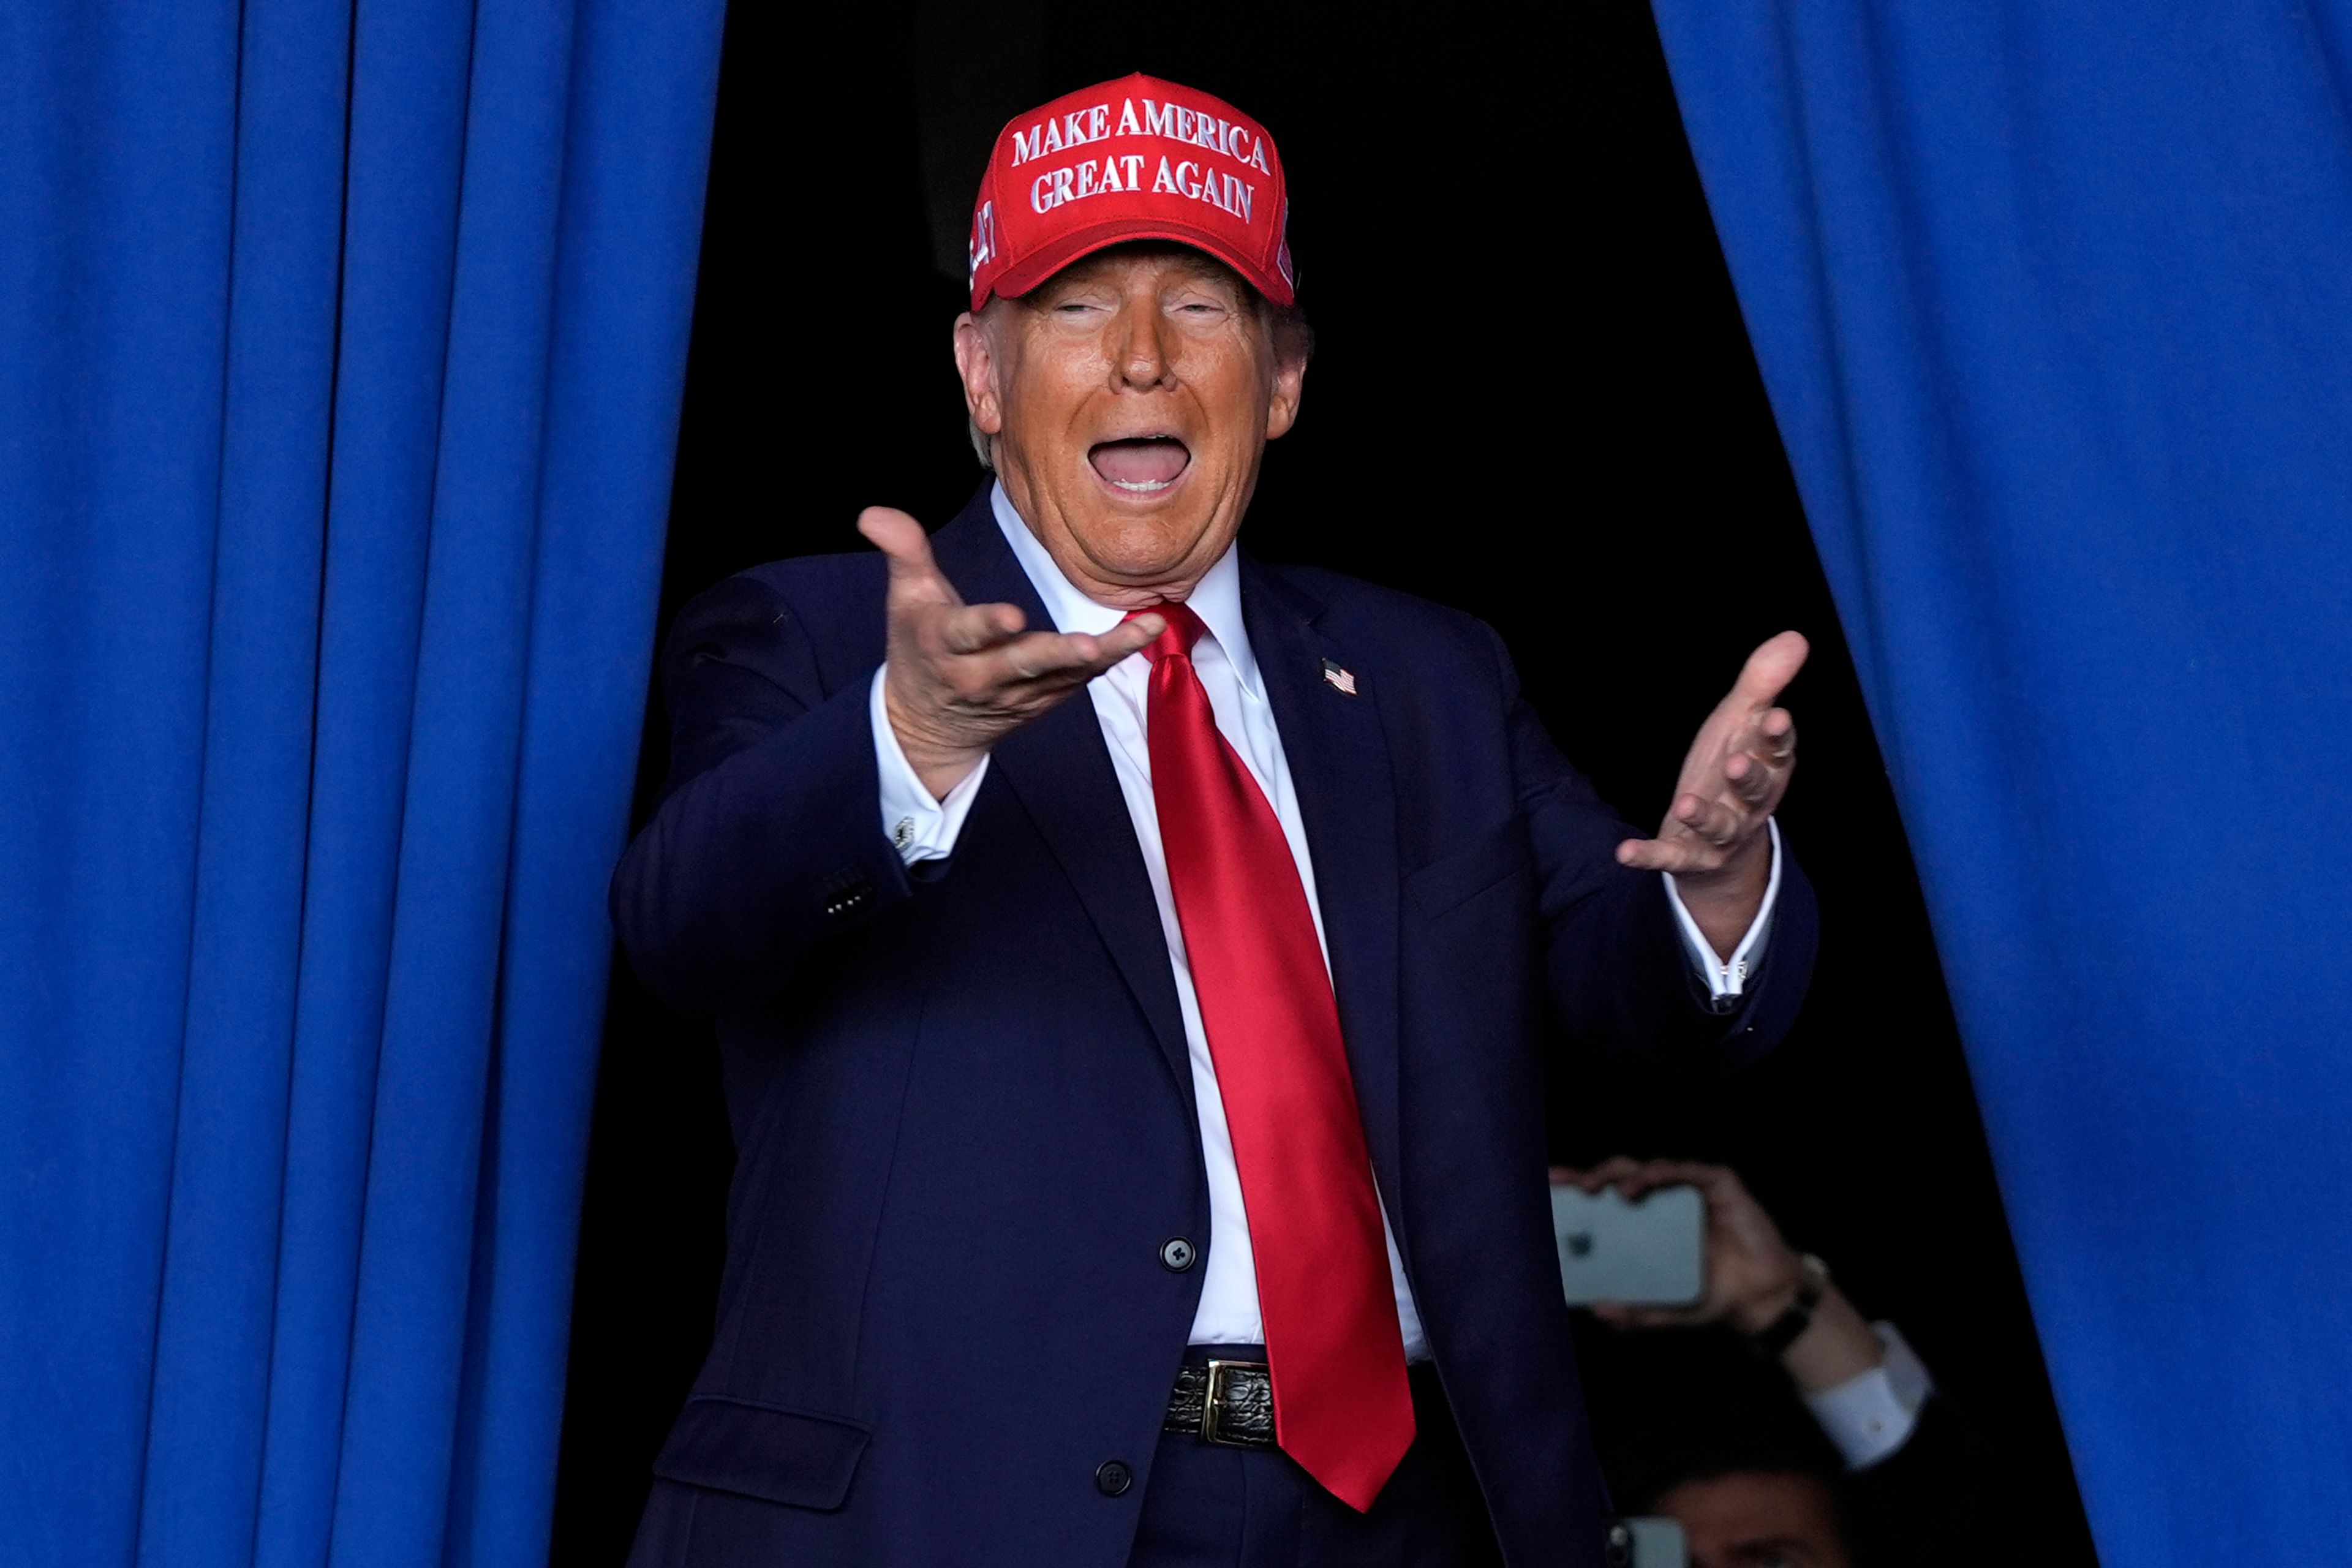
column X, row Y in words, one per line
column 1185, row 629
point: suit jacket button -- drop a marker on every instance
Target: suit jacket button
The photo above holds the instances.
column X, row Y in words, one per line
column 1177, row 1254
column 1112, row 1478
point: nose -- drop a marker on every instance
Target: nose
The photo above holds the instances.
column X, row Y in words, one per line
column 1139, row 349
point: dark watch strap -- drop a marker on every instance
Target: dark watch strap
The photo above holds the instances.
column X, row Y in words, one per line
column 1787, row 1329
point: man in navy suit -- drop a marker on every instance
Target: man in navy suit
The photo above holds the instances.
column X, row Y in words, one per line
column 1130, row 962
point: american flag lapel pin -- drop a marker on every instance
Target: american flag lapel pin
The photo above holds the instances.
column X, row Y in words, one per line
column 1338, row 679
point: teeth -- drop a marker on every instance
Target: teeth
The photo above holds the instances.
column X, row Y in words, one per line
column 1143, row 487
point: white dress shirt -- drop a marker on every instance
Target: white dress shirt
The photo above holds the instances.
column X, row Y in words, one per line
column 1870, row 1415
column 924, row 828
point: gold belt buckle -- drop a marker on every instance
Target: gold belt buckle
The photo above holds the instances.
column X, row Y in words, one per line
column 1213, row 1403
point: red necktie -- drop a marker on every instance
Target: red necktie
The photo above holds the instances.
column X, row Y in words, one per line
column 1341, row 1406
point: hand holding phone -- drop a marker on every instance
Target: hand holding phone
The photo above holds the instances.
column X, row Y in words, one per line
column 1748, row 1274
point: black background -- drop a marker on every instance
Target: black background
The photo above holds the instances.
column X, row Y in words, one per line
column 1533, row 397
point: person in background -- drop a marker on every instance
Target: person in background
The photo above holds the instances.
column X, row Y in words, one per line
column 1886, row 1472
column 1722, row 1448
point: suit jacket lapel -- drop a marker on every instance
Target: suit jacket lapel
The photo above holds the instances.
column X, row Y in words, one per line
column 1339, row 756
column 1059, row 768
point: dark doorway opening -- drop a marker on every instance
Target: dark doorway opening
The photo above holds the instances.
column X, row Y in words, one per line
column 1533, row 398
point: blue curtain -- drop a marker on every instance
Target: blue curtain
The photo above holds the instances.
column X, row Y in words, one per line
column 341, row 349
column 2054, row 303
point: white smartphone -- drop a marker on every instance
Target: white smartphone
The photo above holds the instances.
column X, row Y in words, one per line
column 1648, row 1543
column 1652, row 1253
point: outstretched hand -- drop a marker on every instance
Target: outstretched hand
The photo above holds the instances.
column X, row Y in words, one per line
column 1713, row 838
column 962, row 677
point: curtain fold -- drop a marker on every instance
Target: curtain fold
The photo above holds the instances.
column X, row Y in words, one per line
column 2053, row 310
column 340, row 349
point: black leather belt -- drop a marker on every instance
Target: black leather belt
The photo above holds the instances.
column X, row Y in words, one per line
column 1228, row 1401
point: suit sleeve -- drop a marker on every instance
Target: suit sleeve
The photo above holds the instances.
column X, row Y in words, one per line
column 768, row 840
column 1614, row 959
column 1944, row 1499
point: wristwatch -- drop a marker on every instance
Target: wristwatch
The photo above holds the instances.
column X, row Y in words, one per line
column 1812, row 1279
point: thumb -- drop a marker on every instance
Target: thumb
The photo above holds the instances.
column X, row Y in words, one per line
column 1769, row 669
column 914, row 573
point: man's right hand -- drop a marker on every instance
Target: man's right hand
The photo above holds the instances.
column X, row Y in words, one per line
column 962, row 677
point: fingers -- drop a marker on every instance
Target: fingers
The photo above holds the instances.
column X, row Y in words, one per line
column 1714, row 821
column 1130, row 638
column 1057, row 659
column 1753, row 782
column 897, row 535
column 1044, row 655
column 1699, row 835
column 1703, row 830
column 1769, row 669
column 1636, row 1179
column 1618, row 1315
column 1673, row 855
column 1081, row 654
column 1760, row 758
column 915, row 575
column 1761, row 755
column 1707, row 1179
column 1610, row 1171
column 974, row 628
column 968, row 629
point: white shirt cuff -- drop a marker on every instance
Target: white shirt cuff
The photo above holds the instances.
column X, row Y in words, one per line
column 1727, row 978
column 1870, row 1417
column 918, row 826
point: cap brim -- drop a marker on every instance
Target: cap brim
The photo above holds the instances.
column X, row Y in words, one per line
column 1034, row 269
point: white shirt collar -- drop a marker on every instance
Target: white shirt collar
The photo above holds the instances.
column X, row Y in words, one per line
column 1217, row 599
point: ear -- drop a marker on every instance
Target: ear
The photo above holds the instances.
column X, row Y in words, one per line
column 976, row 364
column 1282, row 397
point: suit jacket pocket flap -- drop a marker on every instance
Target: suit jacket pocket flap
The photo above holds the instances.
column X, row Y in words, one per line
column 781, row 1455
column 1452, row 880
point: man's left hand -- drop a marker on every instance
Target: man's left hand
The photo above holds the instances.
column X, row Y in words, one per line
column 1713, row 839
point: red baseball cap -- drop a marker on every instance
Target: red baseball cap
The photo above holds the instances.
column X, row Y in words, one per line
column 1133, row 159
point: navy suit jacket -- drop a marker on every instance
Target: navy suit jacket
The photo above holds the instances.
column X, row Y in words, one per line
column 960, row 1098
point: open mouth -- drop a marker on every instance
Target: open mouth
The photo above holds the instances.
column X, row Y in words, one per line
column 1141, row 466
